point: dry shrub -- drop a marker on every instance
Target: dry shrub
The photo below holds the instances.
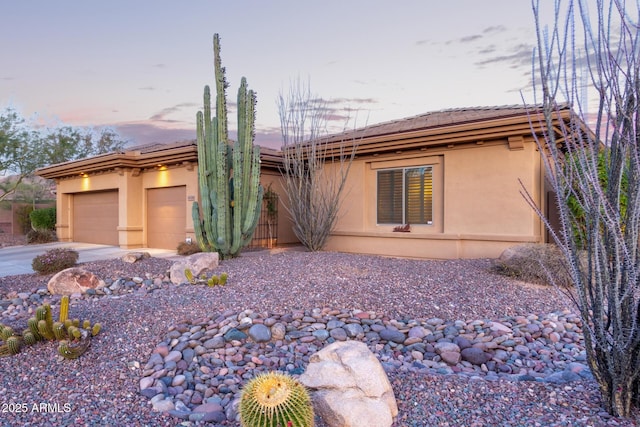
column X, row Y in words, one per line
column 41, row 236
column 55, row 260
column 185, row 248
column 533, row 263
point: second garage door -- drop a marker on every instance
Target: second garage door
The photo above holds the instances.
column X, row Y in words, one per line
column 95, row 217
column 166, row 216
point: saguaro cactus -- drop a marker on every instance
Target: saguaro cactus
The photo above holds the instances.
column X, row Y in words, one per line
column 229, row 172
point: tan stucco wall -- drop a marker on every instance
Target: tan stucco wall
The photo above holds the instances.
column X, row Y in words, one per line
column 285, row 228
column 132, row 185
column 478, row 210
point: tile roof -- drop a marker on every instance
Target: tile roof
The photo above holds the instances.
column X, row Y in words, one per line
column 435, row 119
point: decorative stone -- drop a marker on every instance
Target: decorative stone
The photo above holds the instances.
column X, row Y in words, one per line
column 442, row 347
column 349, row 386
column 146, row 382
column 278, row 331
column 73, row 280
column 475, row 356
column 338, row 334
column 132, row 257
column 259, row 333
column 392, row 335
column 450, row 357
column 213, row 343
column 499, row 327
column 173, row 356
column 164, row 405
column 354, row 330
column 197, row 263
column 234, row 335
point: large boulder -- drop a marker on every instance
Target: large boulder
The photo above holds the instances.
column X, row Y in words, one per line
column 349, row 387
column 535, row 263
column 197, row 263
column 73, row 280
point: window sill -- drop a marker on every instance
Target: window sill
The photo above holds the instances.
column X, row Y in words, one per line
column 440, row 236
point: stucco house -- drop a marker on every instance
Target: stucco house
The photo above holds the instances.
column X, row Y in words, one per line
column 141, row 197
column 451, row 177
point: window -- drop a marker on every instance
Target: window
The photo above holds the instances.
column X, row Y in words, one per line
column 405, row 196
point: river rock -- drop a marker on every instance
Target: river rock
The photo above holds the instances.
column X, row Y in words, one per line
column 259, row 333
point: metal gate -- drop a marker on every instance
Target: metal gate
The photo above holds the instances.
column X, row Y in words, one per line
column 266, row 232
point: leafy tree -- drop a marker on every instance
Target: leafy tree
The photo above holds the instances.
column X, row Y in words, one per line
column 20, row 151
column 67, row 143
column 605, row 263
column 24, row 147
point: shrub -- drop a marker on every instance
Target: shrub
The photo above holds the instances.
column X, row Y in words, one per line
column 533, row 262
column 43, row 219
column 55, row 260
column 41, row 236
column 23, row 214
column 185, row 248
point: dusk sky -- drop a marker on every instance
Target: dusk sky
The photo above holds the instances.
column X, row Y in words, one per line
column 140, row 66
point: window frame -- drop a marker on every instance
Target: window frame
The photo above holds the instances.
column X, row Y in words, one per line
column 404, row 194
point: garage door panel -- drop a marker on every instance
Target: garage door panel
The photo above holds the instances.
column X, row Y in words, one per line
column 166, row 216
column 95, row 217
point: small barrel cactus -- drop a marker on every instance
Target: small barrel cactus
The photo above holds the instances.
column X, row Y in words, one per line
column 74, row 332
column 59, row 331
column 64, row 308
column 41, row 313
column 213, row 281
column 96, row 329
column 275, row 399
column 29, row 337
column 33, row 327
column 189, row 275
column 14, row 343
column 46, row 330
column 6, row 333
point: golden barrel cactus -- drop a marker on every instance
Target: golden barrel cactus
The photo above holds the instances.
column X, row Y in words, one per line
column 275, row 399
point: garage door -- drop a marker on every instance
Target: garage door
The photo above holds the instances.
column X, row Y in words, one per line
column 166, row 216
column 95, row 217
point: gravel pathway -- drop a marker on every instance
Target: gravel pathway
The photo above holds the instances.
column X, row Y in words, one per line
column 38, row 388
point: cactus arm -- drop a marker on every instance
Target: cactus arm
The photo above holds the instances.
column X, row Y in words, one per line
column 255, row 191
column 238, row 208
column 64, row 308
column 246, row 121
column 197, row 227
column 221, row 98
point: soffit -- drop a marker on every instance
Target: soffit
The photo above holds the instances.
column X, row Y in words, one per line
column 441, row 129
column 142, row 157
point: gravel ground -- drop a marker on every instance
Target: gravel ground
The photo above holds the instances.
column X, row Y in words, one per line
column 38, row 388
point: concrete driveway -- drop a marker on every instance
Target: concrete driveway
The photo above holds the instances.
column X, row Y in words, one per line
column 17, row 259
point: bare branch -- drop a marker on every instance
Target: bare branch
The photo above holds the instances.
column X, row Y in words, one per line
column 314, row 177
column 596, row 179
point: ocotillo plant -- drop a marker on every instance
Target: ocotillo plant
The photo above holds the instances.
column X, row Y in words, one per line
column 229, row 173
